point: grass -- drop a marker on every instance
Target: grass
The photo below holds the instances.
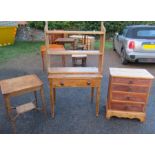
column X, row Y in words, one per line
column 18, row 49
column 22, row 48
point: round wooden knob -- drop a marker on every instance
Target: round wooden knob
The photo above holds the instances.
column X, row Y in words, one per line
column 88, row 83
column 130, row 82
column 62, row 84
column 128, row 98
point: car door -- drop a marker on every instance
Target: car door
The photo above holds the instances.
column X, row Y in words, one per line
column 120, row 40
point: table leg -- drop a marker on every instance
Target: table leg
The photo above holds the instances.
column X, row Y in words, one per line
column 52, row 100
column 43, row 99
column 54, row 91
column 36, row 101
column 7, row 106
column 43, row 63
column 8, row 111
column 98, row 91
column 92, row 94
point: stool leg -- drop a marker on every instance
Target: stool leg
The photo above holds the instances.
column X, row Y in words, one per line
column 63, row 60
column 92, row 94
column 43, row 99
column 73, row 61
column 83, row 63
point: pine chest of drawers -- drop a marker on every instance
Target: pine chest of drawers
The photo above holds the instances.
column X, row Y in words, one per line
column 128, row 93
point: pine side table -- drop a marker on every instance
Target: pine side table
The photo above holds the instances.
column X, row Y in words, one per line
column 128, row 93
column 18, row 86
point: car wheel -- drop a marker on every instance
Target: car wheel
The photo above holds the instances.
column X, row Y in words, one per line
column 114, row 49
column 124, row 61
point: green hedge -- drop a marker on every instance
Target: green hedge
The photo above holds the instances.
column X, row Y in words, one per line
column 111, row 26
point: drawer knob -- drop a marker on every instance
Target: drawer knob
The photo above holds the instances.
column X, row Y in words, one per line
column 128, row 98
column 130, row 82
column 62, row 84
column 88, row 83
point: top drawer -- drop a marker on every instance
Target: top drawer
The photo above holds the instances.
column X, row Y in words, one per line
column 75, row 82
column 131, row 81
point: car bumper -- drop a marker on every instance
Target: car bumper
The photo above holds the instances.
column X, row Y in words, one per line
column 133, row 56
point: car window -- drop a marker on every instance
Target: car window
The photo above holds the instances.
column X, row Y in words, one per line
column 124, row 32
column 146, row 33
column 142, row 33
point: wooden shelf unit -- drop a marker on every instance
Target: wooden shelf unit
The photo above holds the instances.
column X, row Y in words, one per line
column 75, row 76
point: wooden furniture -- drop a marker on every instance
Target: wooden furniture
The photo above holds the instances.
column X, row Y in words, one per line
column 18, row 86
column 128, row 93
column 54, row 37
column 61, row 77
column 86, row 40
column 54, row 47
column 82, row 58
column 66, row 41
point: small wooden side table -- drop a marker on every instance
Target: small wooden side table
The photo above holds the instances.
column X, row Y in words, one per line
column 18, row 86
column 128, row 93
column 54, row 47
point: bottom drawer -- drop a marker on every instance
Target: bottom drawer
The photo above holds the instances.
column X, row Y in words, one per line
column 127, row 107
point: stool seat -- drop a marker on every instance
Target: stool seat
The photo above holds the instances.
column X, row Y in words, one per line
column 25, row 107
column 79, row 56
column 82, row 57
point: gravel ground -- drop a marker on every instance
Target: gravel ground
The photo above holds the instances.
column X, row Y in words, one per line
column 74, row 112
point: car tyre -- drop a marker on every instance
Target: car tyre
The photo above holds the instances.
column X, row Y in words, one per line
column 124, row 61
column 114, row 49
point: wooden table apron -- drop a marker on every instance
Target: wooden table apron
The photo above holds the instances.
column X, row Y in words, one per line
column 55, row 82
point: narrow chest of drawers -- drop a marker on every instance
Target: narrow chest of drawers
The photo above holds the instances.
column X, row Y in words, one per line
column 128, row 93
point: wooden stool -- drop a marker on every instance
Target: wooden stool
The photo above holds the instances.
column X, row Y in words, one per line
column 53, row 47
column 83, row 59
column 18, row 86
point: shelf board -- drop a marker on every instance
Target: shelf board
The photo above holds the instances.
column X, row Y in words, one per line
column 75, row 76
column 74, row 32
column 74, row 52
column 73, row 70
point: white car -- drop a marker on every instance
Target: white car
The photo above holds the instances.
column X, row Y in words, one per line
column 136, row 43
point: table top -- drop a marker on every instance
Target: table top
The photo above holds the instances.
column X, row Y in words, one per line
column 18, row 84
column 130, row 73
column 65, row 40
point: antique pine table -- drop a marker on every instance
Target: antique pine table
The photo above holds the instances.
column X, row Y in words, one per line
column 71, row 80
column 128, row 93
